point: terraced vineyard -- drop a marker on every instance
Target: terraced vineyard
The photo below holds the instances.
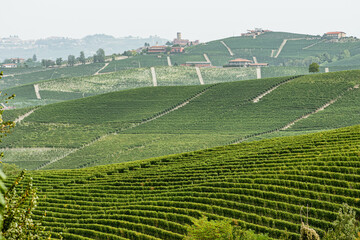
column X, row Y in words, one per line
column 258, row 185
column 152, row 122
column 45, row 74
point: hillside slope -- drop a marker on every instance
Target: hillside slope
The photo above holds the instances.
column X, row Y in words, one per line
column 259, row 185
column 151, row 122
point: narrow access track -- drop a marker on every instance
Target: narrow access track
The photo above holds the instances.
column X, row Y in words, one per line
column 169, row 61
column 22, row 117
column 258, row 98
column 283, row 45
column 304, row 48
column 255, row 60
column 258, row 72
column 153, row 74
column 98, row 72
column 287, row 126
column 154, row 117
column 207, row 58
column 198, row 72
column 37, row 91
column 227, row 47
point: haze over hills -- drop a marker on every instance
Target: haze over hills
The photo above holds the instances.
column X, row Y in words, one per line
column 55, row 47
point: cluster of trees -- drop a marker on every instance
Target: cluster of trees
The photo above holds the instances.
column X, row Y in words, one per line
column 72, row 60
column 322, row 58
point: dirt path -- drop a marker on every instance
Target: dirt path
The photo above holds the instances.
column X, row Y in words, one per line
column 258, row 72
column 229, row 50
column 258, row 98
column 207, row 58
column 283, row 45
column 281, row 48
column 313, row 44
column 255, row 60
column 153, row 74
column 98, row 72
column 272, row 53
column 169, row 61
column 37, row 91
column 22, row 117
column 198, row 72
column 289, row 125
column 154, row 117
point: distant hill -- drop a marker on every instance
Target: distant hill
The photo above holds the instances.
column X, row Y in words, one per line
column 54, row 47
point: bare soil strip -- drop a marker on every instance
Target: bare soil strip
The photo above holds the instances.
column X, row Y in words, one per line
column 37, row 91
column 169, row 61
column 133, row 125
column 258, row 72
column 98, row 72
column 231, row 53
column 199, row 75
column 22, row 117
column 287, row 126
column 207, row 58
column 255, row 60
column 153, row 74
column 313, row 44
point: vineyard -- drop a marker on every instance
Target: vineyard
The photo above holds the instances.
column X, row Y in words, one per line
column 152, row 122
column 259, row 185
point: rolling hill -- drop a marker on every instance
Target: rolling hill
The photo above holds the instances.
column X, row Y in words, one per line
column 259, row 185
column 151, row 122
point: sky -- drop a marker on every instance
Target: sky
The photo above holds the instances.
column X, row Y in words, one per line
column 204, row 20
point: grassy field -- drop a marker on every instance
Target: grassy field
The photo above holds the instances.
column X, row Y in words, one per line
column 151, row 122
column 259, row 185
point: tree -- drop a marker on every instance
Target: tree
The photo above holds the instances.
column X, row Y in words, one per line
column 58, row 61
column 34, row 58
column 314, row 67
column 82, row 57
column 346, row 227
column 47, row 63
column 307, row 233
column 71, row 60
column 99, row 56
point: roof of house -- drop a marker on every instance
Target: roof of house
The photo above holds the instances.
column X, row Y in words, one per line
column 330, row 33
column 155, row 47
column 240, row 60
column 7, row 64
column 198, row 63
column 258, row 64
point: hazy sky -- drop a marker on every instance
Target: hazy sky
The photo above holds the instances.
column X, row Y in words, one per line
column 196, row 19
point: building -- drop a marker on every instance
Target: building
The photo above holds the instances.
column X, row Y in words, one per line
column 157, row 49
column 9, row 65
column 184, row 42
column 241, row 62
column 334, row 35
column 197, row 64
column 17, row 60
column 258, row 65
column 177, row 50
column 255, row 32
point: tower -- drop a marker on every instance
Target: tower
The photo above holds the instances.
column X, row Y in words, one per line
column 179, row 36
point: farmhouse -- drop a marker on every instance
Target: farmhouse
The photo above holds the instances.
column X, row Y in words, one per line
column 17, row 60
column 177, row 50
column 9, row 65
column 240, row 62
column 197, row 64
column 157, row 49
column 335, row 35
column 255, row 32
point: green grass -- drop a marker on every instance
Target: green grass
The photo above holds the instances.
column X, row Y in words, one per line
column 260, row 185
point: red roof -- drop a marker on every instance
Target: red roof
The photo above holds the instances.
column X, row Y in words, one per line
column 331, row 33
column 240, row 60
